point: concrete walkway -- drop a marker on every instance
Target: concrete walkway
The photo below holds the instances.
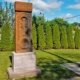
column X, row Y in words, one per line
column 73, row 67
column 75, row 78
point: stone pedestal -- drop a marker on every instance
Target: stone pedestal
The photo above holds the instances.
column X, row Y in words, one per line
column 23, row 65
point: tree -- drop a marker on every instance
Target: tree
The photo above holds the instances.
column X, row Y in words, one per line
column 34, row 36
column 76, row 24
column 60, row 22
column 0, row 38
column 6, row 37
column 34, row 21
column 71, row 44
column 77, row 38
column 38, row 20
column 6, row 21
column 41, row 37
column 1, row 12
column 56, row 37
column 49, row 41
column 63, row 37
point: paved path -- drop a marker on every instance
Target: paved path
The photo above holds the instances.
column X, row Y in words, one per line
column 75, row 78
column 73, row 67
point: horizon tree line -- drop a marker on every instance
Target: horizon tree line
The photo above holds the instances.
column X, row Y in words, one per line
column 46, row 34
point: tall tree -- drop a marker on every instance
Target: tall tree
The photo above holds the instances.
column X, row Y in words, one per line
column 0, row 39
column 49, row 41
column 77, row 38
column 34, row 36
column 6, row 37
column 60, row 22
column 1, row 12
column 34, row 21
column 41, row 37
column 6, row 16
column 56, row 37
column 71, row 44
column 63, row 37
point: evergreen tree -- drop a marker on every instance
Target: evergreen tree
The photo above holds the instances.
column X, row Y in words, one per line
column 41, row 37
column 63, row 37
column 6, row 37
column 34, row 20
column 12, row 39
column 77, row 39
column 0, row 38
column 56, row 37
column 34, row 36
column 49, row 41
column 71, row 44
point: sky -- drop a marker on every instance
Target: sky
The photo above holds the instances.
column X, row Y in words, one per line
column 55, row 8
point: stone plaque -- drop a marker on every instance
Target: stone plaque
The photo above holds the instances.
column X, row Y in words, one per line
column 23, row 28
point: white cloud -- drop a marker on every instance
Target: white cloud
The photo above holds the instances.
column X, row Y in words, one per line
column 41, row 5
column 70, row 17
column 16, row 0
column 67, row 15
column 75, row 6
column 36, row 11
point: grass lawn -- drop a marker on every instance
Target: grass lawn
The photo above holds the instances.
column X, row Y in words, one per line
column 49, row 62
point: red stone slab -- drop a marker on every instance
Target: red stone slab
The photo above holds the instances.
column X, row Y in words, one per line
column 22, row 6
column 23, row 24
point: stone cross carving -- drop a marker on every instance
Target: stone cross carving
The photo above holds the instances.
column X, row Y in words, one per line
column 23, row 27
column 23, row 58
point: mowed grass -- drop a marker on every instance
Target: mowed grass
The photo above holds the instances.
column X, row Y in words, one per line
column 49, row 61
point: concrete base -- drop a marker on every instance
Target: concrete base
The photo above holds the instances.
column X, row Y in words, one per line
column 23, row 65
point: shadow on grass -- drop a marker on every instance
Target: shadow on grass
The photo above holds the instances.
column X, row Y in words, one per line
column 63, row 59
column 52, row 70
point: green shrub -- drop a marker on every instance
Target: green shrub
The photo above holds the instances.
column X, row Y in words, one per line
column 63, row 37
column 49, row 41
column 56, row 37
column 71, row 44
column 77, row 39
column 41, row 37
column 34, row 36
column 6, row 37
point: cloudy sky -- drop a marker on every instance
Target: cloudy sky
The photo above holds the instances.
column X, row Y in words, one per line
column 55, row 8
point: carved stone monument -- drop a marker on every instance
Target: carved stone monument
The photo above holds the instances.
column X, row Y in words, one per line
column 23, row 59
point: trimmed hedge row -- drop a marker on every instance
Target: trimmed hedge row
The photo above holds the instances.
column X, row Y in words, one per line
column 45, row 36
column 63, row 37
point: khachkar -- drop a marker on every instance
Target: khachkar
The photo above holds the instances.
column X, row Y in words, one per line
column 23, row 59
